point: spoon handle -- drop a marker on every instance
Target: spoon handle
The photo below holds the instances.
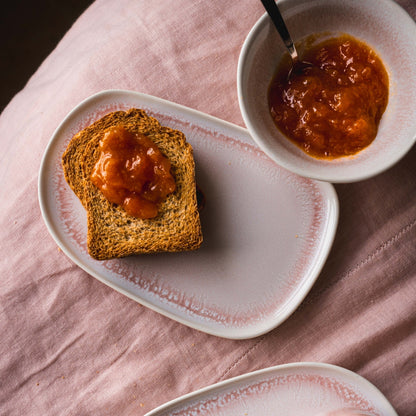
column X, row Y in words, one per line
column 277, row 19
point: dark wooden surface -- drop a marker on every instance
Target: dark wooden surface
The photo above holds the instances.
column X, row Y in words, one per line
column 29, row 31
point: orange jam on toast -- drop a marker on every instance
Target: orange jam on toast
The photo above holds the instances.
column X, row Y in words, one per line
column 132, row 172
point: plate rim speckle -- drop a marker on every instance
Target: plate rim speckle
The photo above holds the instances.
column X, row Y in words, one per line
column 341, row 374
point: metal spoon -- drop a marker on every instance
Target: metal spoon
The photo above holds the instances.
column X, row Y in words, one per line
column 298, row 66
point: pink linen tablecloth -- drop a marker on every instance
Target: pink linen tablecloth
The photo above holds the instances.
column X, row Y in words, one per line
column 69, row 345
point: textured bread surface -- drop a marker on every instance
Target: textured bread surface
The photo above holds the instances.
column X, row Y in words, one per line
column 112, row 232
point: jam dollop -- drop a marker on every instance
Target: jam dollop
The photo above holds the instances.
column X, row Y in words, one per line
column 132, row 172
column 333, row 107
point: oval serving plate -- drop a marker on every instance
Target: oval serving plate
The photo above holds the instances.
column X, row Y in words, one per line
column 267, row 232
column 295, row 389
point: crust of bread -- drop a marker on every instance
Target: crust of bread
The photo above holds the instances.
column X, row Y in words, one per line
column 112, row 233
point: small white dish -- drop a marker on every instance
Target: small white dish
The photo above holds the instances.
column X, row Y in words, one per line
column 267, row 232
column 385, row 27
column 297, row 389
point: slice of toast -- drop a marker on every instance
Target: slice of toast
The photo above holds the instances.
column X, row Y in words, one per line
column 112, row 232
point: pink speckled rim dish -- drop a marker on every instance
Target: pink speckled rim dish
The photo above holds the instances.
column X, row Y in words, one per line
column 257, row 262
column 291, row 390
column 385, row 27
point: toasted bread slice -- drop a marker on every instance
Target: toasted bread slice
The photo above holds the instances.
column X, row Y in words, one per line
column 112, row 232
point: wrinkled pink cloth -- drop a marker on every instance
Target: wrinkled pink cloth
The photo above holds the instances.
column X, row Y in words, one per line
column 70, row 345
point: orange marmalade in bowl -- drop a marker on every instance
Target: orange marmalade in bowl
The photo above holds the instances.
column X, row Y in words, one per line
column 333, row 107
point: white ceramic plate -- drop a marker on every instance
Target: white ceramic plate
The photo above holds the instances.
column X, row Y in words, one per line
column 298, row 389
column 267, row 232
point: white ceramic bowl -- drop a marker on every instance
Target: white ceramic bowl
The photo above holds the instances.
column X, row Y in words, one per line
column 385, row 27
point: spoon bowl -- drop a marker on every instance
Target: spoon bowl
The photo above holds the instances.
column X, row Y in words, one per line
column 298, row 66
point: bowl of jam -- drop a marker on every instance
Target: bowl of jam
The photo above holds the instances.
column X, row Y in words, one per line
column 350, row 113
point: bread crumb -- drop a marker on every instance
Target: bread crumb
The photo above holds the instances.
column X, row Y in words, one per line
column 141, row 405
